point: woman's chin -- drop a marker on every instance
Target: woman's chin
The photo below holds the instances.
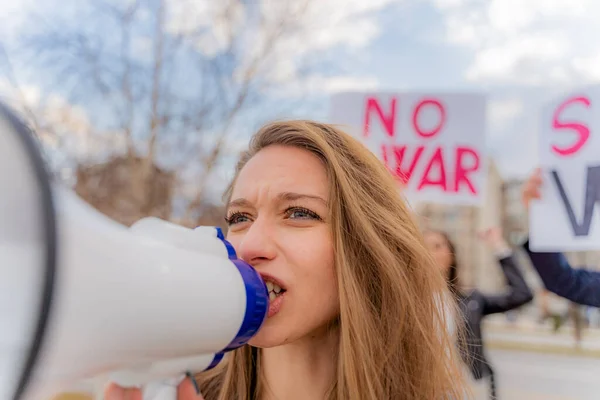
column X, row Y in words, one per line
column 269, row 336
column 264, row 341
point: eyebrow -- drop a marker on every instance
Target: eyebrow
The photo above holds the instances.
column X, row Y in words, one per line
column 284, row 196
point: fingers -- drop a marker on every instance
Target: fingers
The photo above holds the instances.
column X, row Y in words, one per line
column 490, row 234
column 187, row 391
column 115, row 392
column 531, row 189
column 536, row 179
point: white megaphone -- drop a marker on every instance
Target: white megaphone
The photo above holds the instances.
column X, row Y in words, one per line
column 85, row 300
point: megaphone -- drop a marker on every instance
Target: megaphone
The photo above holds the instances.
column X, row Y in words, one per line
column 85, row 300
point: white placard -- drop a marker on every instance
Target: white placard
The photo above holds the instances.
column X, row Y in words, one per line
column 566, row 218
column 434, row 144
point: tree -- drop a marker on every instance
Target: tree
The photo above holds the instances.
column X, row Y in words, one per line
column 171, row 82
column 168, row 78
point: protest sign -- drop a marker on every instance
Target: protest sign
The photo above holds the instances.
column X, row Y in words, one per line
column 566, row 217
column 434, row 144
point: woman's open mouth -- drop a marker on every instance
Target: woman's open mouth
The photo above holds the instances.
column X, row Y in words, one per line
column 274, row 290
column 276, row 295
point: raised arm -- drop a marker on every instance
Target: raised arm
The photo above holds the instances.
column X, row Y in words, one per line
column 581, row 286
column 517, row 292
column 578, row 285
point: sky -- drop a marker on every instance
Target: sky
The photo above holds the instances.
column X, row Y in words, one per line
column 521, row 53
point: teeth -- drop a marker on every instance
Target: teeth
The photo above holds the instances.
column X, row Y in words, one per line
column 272, row 296
column 270, row 286
column 276, row 288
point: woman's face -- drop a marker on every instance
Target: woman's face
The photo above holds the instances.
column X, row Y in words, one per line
column 279, row 223
column 438, row 246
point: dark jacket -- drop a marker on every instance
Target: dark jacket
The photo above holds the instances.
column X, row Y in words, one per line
column 476, row 305
column 581, row 286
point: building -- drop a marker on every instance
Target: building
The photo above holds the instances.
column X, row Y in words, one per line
column 478, row 265
column 514, row 215
column 501, row 207
column 463, row 223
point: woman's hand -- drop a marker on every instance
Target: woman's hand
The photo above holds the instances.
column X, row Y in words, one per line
column 531, row 189
column 185, row 391
column 493, row 237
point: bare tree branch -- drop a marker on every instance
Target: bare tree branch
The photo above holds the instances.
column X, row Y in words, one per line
column 126, row 18
column 247, row 81
column 156, row 81
column 179, row 93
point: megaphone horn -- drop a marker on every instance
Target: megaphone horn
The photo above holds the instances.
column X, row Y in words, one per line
column 92, row 300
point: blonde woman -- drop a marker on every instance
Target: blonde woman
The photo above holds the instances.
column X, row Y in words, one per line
column 475, row 306
column 354, row 314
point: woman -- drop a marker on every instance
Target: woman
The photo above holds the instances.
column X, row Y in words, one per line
column 474, row 305
column 320, row 217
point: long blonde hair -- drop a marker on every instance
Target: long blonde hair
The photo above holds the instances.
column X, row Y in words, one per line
column 393, row 343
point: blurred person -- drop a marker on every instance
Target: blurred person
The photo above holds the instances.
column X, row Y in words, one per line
column 581, row 286
column 474, row 305
column 354, row 314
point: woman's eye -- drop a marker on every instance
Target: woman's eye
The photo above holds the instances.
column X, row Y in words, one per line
column 301, row 213
column 236, row 218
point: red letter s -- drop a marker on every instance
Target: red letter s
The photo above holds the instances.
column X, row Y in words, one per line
column 582, row 131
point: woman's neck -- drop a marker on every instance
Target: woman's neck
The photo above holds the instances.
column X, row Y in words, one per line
column 303, row 370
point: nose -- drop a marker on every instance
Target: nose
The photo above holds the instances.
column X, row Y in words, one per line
column 257, row 245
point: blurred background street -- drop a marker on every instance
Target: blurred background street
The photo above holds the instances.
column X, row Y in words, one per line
column 546, row 376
